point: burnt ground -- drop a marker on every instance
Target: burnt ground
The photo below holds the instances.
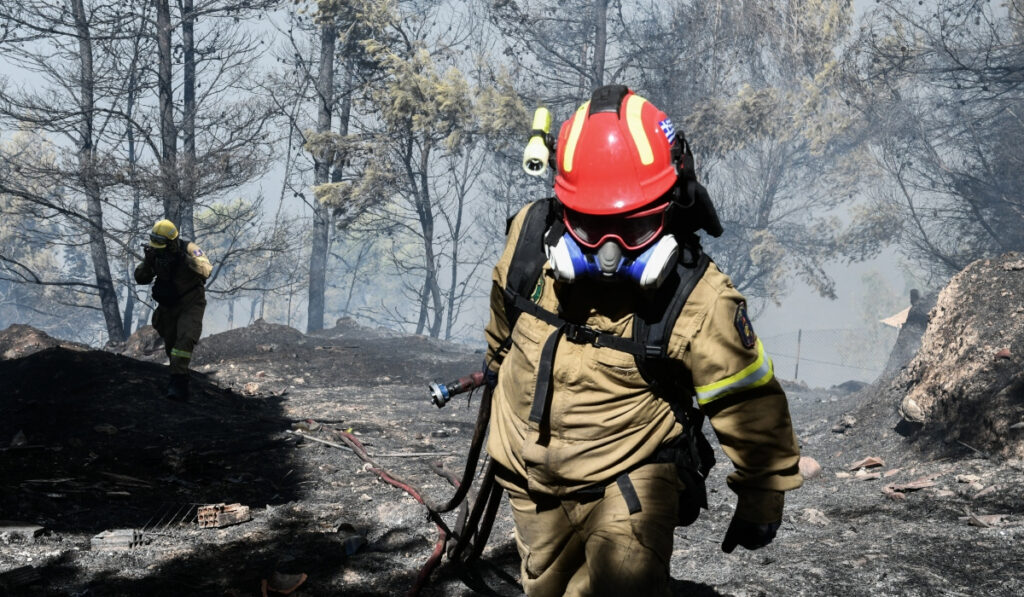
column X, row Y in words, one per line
column 89, row 445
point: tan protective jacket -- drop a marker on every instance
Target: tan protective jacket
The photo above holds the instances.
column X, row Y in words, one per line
column 604, row 418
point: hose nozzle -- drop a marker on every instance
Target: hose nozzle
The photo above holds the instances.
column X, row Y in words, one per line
column 441, row 393
column 538, row 149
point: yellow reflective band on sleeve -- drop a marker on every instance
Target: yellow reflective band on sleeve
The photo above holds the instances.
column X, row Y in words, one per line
column 574, row 136
column 634, row 109
column 181, row 353
column 753, row 375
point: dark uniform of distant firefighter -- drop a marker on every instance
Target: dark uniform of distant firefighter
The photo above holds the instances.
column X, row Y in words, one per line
column 181, row 269
column 597, row 350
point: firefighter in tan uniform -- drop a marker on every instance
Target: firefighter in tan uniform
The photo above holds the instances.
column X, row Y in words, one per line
column 580, row 436
column 180, row 269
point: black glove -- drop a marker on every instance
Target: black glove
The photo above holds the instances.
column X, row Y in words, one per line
column 750, row 535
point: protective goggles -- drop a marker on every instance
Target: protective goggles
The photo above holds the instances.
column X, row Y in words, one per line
column 158, row 241
column 633, row 231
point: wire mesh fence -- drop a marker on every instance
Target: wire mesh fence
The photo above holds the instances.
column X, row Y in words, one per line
column 827, row 357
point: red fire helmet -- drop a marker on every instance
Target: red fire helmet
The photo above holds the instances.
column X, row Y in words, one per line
column 614, row 154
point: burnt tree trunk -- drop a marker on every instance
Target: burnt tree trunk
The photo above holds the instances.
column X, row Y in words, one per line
column 168, row 130
column 187, row 168
column 322, row 160
column 600, row 41
column 432, row 288
column 129, row 266
column 87, row 175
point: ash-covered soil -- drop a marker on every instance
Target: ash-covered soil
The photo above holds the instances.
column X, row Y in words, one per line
column 90, row 445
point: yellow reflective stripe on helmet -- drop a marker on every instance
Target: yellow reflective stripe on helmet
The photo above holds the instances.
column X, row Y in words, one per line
column 753, row 375
column 181, row 353
column 574, row 136
column 634, row 109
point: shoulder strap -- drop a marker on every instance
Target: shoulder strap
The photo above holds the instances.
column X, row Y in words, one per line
column 653, row 325
column 528, row 258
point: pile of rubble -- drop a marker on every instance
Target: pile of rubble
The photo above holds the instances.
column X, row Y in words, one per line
column 966, row 383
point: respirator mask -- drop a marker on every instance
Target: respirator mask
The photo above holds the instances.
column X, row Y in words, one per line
column 614, row 247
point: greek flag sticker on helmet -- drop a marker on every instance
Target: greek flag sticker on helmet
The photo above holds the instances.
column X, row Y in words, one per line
column 669, row 129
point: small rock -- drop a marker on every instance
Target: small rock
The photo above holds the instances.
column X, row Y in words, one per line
column 916, row 484
column 892, row 494
column 987, row 491
column 365, row 498
column 815, row 517
column 847, row 422
column 869, row 462
column 298, row 381
column 843, row 475
column 809, row 467
column 19, row 439
column 18, row 531
column 251, row 389
column 261, row 374
column 944, row 493
column 440, row 433
column 864, row 475
column 985, row 520
column 911, row 411
column 967, row 478
column 1003, row 354
column 284, row 583
column 105, row 428
column 351, row 539
column 976, row 486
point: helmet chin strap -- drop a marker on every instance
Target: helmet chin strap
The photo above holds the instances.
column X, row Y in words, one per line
column 609, row 256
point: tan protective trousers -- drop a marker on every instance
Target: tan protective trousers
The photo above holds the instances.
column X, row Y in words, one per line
column 594, row 546
column 180, row 327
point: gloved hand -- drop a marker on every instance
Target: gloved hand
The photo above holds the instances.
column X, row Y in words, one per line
column 756, row 520
column 750, row 535
column 490, row 377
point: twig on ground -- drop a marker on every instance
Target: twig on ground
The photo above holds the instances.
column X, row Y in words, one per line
column 977, row 451
column 316, row 439
column 384, row 455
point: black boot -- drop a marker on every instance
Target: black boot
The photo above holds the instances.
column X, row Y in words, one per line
column 178, row 390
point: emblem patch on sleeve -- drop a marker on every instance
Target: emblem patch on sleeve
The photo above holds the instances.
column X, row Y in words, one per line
column 743, row 326
column 197, row 252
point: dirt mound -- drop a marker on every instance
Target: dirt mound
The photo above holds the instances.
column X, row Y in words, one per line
column 97, row 446
column 967, row 381
column 22, row 340
column 260, row 337
column 277, row 357
column 346, row 327
column 144, row 343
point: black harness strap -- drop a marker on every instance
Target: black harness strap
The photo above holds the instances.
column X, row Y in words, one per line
column 656, row 321
column 528, row 257
column 540, row 409
column 628, row 493
column 582, row 334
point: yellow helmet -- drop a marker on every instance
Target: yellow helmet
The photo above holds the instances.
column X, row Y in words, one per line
column 163, row 232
